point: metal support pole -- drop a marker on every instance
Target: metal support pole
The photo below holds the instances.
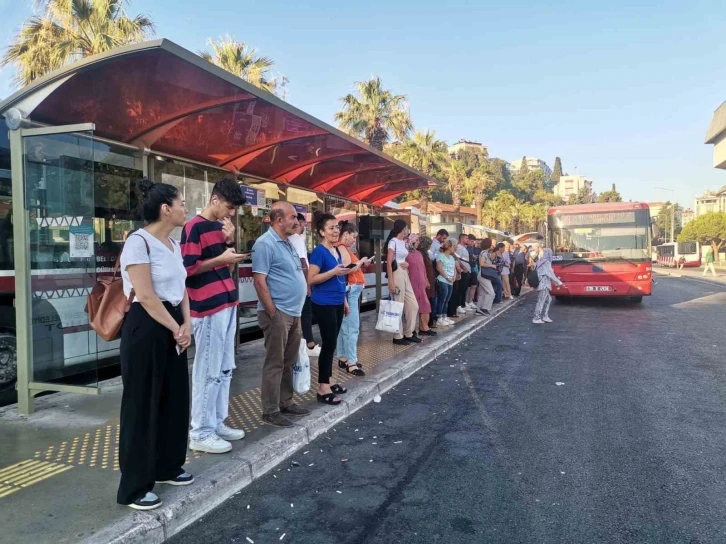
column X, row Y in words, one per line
column 379, row 269
column 23, row 308
column 673, row 222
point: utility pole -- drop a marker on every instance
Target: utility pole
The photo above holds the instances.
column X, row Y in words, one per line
column 673, row 212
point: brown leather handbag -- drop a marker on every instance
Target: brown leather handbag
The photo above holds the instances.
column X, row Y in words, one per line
column 107, row 305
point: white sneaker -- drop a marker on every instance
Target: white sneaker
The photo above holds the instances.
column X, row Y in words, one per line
column 546, row 320
column 538, row 322
column 314, row 352
column 440, row 322
column 230, row 434
column 460, row 310
column 211, row 444
column 472, row 306
column 448, row 322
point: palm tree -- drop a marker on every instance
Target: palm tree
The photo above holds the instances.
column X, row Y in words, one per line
column 68, row 30
column 490, row 214
column 425, row 153
column 480, row 182
column 518, row 212
column 375, row 114
column 244, row 62
column 457, row 176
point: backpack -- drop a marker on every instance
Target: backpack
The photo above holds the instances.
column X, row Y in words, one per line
column 533, row 278
column 107, row 305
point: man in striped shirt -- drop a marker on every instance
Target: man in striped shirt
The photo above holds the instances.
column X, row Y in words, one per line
column 207, row 246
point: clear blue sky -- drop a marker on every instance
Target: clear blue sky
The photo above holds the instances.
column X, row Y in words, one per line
column 622, row 90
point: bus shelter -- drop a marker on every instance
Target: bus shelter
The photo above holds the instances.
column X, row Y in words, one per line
column 78, row 140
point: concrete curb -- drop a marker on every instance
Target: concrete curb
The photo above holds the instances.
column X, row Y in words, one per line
column 708, row 280
column 185, row 505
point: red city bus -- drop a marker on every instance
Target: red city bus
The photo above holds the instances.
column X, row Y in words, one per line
column 601, row 249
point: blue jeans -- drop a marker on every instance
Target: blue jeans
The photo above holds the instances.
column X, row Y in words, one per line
column 348, row 336
column 498, row 290
column 443, row 294
column 212, row 370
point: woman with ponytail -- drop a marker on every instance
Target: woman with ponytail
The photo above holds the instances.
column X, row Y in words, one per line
column 154, row 337
column 399, row 284
column 327, row 279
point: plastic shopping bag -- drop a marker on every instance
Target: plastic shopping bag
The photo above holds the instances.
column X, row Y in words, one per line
column 389, row 316
column 301, row 370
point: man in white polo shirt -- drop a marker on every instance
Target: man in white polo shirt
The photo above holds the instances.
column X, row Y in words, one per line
column 298, row 242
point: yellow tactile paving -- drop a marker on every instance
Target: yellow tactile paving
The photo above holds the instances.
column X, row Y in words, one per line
column 99, row 448
column 26, row 473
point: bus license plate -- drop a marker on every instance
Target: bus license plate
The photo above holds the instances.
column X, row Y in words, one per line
column 597, row 288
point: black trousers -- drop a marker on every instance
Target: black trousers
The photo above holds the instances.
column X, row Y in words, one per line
column 329, row 319
column 458, row 296
column 154, row 405
column 518, row 276
column 307, row 321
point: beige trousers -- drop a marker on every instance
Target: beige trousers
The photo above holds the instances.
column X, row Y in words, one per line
column 410, row 306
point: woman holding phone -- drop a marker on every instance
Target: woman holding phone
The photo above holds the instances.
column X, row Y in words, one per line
column 327, row 279
column 348, row 336
column 446, row 269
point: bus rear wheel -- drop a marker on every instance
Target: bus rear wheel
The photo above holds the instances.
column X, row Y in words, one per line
column 636, row 300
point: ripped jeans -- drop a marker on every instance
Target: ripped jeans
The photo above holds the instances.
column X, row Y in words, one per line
column 212, row 371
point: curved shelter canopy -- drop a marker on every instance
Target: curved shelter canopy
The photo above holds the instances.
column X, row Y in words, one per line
column 162, row 98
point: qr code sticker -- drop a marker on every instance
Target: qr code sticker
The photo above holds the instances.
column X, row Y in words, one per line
column 82, row 242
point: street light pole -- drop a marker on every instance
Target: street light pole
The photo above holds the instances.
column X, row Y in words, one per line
column 673, row 212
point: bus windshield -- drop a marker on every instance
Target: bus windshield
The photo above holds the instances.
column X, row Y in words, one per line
column 601, row 235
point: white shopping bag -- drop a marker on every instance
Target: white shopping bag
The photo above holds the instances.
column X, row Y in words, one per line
column 389, row 316
column 301, row 370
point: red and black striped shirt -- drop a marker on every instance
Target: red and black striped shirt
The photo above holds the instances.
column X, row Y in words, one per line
column 213, row 290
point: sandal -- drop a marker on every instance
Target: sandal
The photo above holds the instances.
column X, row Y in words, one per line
column 355, row 370
column 342, row 364
column 330, row 398
column 338, row 390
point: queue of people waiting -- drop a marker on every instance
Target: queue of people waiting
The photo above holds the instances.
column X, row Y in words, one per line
column 442, row 279
column 176, row 290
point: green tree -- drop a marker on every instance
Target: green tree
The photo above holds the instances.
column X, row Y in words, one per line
column 556, row 172
column 490, row 214
column 523, row 169
column 505, row 202
column 583, row 196
column 706, row 229
column 375, row 115
column 663, row 220
column 456, row 174
column 472, row 159
column 245, row 62
column 528, row 185
column 518, row 213
column 67, row 30
column 425, row 153
column 610, row 196
column 501, row 176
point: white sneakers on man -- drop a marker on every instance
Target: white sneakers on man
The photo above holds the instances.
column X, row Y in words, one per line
column 211, row 444
column 444, row 322
column 460, row 310
column 538, row 322
column 471, row 306
column 546, row 320
column 230, row 434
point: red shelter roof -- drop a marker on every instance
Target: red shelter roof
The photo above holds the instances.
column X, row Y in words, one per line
column 161, row 97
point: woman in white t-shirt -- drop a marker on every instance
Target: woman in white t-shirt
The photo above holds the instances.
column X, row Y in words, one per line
column 399, row 284
column 155, row 334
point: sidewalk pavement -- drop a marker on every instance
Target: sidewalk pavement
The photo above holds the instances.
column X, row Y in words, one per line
column 693, row 273
column 59, row 466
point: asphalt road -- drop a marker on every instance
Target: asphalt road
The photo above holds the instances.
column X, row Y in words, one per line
column 606, row 426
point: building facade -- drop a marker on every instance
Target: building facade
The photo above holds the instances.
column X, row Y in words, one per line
column 462, row 145
column 571, row 185
column 710, row 201
column 533, row 163
column 687, row 216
